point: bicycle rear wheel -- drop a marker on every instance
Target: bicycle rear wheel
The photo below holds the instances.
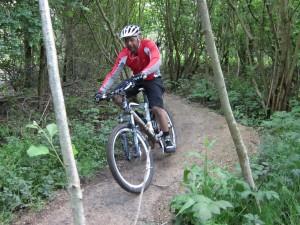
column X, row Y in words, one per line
column 132, row 168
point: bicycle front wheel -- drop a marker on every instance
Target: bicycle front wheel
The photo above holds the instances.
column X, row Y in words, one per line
column 129, row 159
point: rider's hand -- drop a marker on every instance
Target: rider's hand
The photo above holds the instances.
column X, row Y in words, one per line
column 99, row 96
column 139, row 77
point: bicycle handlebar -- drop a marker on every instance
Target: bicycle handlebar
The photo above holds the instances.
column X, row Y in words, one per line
column 130, row 83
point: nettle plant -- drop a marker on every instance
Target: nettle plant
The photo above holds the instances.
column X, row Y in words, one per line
column 197, row 206
column 215, row 196
column 50, row 148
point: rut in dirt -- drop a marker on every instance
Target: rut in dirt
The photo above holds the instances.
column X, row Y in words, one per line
column 106, row 203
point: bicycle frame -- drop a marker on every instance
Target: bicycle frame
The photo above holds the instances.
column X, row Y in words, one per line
column 129, row 107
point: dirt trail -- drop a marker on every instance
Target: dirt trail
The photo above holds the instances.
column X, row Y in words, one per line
column 106, row 203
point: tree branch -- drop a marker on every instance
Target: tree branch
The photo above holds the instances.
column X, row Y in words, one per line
column 117, row 43
column 247, row 31
column 101, row 48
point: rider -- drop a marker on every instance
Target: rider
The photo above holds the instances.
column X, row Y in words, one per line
column 143, row 58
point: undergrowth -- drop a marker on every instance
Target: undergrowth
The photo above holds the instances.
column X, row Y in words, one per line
column 26, row 182
column 215, row 196
column 242, row 95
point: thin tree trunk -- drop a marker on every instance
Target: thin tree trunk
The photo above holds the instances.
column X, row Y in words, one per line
column 220, row 83
column 28, row 61
column 61, row 117
column 116, row 40
column 100, row 47
column 168, row 27
column 68, row 71
column 281, row 85
column 245, row 27
column 42, row 73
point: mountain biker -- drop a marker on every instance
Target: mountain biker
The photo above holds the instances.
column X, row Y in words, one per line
column 143, row 58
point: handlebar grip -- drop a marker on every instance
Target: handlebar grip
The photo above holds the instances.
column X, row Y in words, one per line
column 138, row 77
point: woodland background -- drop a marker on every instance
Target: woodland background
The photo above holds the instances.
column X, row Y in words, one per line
column 258, row 43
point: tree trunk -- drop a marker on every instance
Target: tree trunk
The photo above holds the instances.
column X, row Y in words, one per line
column 168, row 29
column 69, row 46
column 28, row 61
column 61, row 117
column 116, row 41
column 286, row 57
column 220, row 83
column 42, row 73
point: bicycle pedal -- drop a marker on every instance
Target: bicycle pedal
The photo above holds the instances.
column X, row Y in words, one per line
column 160, row 134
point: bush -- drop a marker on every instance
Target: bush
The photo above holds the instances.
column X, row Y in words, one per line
column 25, row 181
column 219, row 197
column 280, row 157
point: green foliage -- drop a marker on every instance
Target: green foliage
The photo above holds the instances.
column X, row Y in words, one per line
column 276, row 173
column 47, row 134
column 25, row 181
column 277, row 166
column 196, row 89
column 30, row 176
column 244, row 101
column 196, row 208
column 19, row 22
column 215, row 196
column 204, row 91
column 37, row 150
column 90, row 144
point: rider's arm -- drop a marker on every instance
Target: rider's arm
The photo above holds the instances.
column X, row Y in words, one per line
column 113, row 74
column 152, row 51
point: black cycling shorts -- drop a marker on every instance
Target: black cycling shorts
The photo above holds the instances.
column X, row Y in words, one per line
column 154, row 90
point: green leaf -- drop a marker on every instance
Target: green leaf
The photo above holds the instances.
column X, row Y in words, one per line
column 246, row 194
column 202, row 212
column 298, row 209
column 52, row 129
column 33, row 125
column 208, row 143
column 211, row 144
column 85, row 8
column 75, row 151
column 37, row 150
column 271, row 194
column 215, row 209
column 186, row 173
column 69, row 13
column 224, row 204
column 187, row 205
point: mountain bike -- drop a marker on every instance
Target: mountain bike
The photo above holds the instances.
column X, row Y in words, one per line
column 130, row 143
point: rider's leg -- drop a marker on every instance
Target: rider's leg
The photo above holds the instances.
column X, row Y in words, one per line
column 154, row 90
column 162, row 118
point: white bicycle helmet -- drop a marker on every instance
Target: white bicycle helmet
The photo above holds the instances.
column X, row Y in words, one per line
column 130, row 31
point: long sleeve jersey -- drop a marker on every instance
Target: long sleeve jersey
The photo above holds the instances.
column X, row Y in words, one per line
column 146, row 61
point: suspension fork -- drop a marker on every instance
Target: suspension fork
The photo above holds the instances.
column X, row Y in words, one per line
column 125, row 146
column 137, row 148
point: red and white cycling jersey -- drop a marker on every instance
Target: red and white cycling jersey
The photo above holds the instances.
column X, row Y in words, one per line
column 146, row 61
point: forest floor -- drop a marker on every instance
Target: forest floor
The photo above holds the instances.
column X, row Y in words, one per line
column 106, row 203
